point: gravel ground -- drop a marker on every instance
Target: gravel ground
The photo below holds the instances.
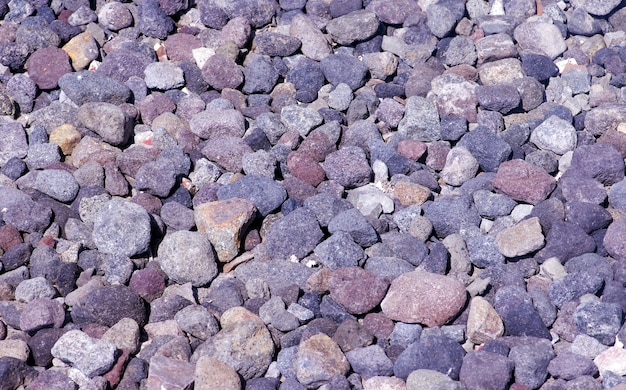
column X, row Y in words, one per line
column 303, row 194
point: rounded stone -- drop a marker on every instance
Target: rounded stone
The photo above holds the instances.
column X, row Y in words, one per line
column 122, row 228
column 188, row 257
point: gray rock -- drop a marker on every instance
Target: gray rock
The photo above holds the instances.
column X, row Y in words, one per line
column 354, row 223
column 296, row 234
column 484, row 252
column 421, row 120
column 439, row 353
column 492, row 205
column 163, row 76
column 57, row 183
column 531, row 362
column 596, row 7
column 570, row 366
column 107, row 120
column 459, row 50
column 260, row 76
column 263, row 192
column 215, row 122
column 85, row 86
column 117, row 269
column 177, row 216
column 339, row 250
column 460, row 166
column 91, row 356
column 450, row 214
column 599, row 320
column 348, row 166
column 485, row 370
column 554, row 134
column 122, row 228
column 489, row 149
column 156, row 177
column 42, row 155
column 540, row 38
column 188, row 257
column 370, row 361
column 301, row 119
column 502, row 98
column 355, row 26
column 13, row 143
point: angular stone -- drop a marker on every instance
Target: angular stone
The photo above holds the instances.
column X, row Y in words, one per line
column 540, row 38
column 460, row 166
column 355, row 26
column 296, row 234
column 423, row 297
column 107, row 120
column 82, row 50
column 318, row 359
column 224, row 222
column 483, row 323
column 314, row 44
column 243, row 343
column 523, row 181
column 13, row 143
column 612, row 359
column 169, row 373
column 421, row 120
column 554, row 134
column 91, row 356
column 523, row 238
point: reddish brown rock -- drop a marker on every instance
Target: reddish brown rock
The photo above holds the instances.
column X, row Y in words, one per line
column 9, row 236
column 305, row 168
column 222, row 72
column 356, row 289
column 148, row 283
column 424, row 297
column 411, row 149
column 379, row 324
column 154, row 105
column 523, row 181
column 47, row 65
column 179, row 47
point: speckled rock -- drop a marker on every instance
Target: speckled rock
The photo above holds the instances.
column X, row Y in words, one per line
column 318, row 359
column 424, row 298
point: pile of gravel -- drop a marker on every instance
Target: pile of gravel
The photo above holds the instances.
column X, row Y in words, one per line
column 293, row 194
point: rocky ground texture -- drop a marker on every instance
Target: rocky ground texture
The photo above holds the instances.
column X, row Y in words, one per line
column 301, row 194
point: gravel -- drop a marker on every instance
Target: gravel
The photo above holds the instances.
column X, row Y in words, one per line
column 263, row 194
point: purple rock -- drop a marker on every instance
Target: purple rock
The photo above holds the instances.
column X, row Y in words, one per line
column 357, row 290
column 109, row 304
column 296, row 234
column 520, row 317
column 121, row 64
column 152, row 19
column 348, row 166
column 485, row 370
column 564, row 241
column 438, row 353
column 47, row 65
column 341, row 68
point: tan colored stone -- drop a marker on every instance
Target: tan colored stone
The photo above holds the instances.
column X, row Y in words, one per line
column 124, row 335
column 521, row 239
column 425, row 298
column 91, row 149
column 613, row 359
column 500, row 71
column 66, row 136
column 319, row 358
column 14, row 348
column 409, row 193
column 224, row 221
column 82, row 49
column 483, row 322
column 244, row 343
column 213, row 374
column 384, row 383
column 163, row 328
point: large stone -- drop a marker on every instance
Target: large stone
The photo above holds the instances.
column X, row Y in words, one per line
column 540, row 38
column 188, row 257
column 122, row 228
column 107, row 120
column 296, row 234
column 91, row 356
column 169, row 373
column 318, row 359
column 224, row 222
column 243, row 343
column 211, row 374
column 423, row 297
column 523, row 181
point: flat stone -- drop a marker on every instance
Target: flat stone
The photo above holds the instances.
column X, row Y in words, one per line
column 523, row 238
column 224, row 222
column 483, row 322
column 423, row 297
column 523, row 181
column 170, row 373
